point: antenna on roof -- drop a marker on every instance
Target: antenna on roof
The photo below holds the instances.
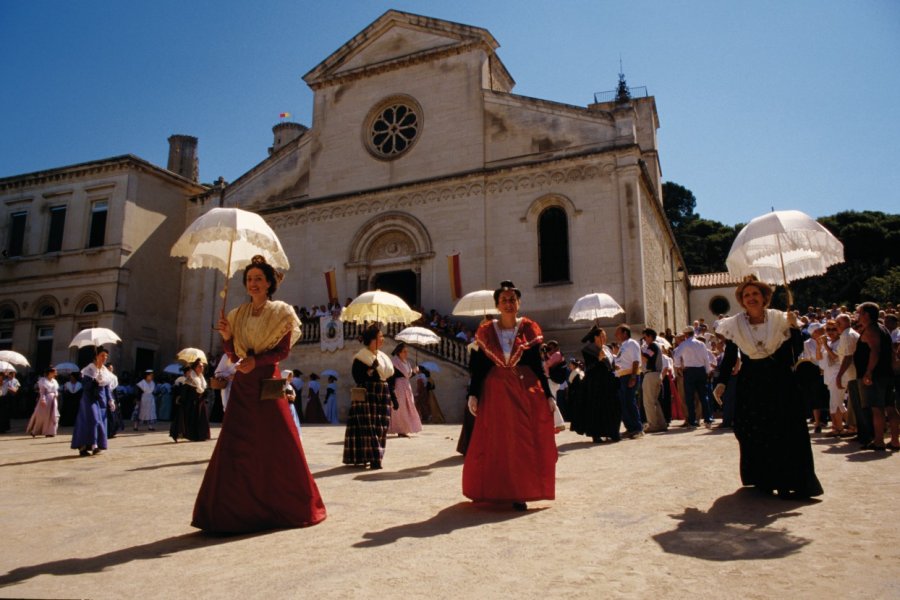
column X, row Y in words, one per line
column 623, row 94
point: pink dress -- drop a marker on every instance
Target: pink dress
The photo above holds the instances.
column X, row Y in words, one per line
column 45, row 418
column 404, row 419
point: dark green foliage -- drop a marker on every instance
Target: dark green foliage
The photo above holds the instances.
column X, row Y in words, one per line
column 871, row 250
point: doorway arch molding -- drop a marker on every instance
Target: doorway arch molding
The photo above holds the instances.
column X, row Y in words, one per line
column 366, row 249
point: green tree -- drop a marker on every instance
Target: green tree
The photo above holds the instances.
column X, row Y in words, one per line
column 679, row 204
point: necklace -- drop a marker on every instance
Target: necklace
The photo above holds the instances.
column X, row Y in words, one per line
column 507, row 338
column 256, row 311
column 753, row 328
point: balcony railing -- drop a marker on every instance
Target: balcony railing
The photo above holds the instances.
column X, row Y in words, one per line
column 449, row 349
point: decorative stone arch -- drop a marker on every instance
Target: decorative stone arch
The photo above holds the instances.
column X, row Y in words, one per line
column 84, row 304
column 41, row 306
column 546, row 201
column 393, row 244
column 373, row 241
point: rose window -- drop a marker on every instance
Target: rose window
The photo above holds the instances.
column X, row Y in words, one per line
column 393, row 129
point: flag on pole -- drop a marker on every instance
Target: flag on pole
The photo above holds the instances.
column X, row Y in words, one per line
column 331, row 285
column 455, row 277
column 285, row 115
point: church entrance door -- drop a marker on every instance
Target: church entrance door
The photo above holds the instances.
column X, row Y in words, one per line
column 400, row 283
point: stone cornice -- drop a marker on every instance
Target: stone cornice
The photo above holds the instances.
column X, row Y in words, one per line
column 94, row 168
column 510, row 99
column 541, row 178
column 403, row 62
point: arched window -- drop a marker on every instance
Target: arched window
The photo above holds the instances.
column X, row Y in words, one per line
column 47, row 311
column 553, row 245
column 90, row 307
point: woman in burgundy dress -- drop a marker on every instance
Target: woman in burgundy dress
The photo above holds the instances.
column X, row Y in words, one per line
column 257, row 478
column 512, row 454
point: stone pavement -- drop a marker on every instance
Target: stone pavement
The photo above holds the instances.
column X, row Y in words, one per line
column 662, row 516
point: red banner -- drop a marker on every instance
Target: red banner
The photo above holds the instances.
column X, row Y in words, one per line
column 331, row 286
column 455, row 277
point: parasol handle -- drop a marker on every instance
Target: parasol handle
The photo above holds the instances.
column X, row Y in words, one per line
column 225, row 288
column 790, row 296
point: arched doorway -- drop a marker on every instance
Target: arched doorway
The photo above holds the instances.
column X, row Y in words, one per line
column 401, row 283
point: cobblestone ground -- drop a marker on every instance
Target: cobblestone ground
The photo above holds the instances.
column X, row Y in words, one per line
column 661, row 516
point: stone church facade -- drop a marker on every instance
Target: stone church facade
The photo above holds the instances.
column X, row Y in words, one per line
column 418, row 150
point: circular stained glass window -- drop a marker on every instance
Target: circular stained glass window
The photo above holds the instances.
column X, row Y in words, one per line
column 393, row 127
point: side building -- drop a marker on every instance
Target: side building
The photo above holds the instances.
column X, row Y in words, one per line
column 88, row 245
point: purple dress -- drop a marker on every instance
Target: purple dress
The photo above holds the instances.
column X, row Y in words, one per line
column 90, row 424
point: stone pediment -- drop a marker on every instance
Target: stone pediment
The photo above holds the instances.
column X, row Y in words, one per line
column 395, row 39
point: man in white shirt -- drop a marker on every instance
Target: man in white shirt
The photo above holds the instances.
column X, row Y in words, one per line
column 846, row 377
column 693, row 365
column 628, row 365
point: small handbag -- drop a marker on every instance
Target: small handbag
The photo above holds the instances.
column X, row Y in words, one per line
column 218, row 383
column 357, row 395
column 271, row 389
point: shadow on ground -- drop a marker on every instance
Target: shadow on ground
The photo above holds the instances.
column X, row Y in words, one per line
column 736, row 527
column 102, row 562
column 448, row 520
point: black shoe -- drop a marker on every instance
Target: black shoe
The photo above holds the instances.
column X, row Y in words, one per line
column 83, row 453
column 520, row 506
column 376, row 464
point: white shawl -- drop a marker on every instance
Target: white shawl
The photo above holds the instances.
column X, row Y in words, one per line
column 756, row 341
column 385, row 366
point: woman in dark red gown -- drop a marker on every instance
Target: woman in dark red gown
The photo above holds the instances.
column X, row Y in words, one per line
column 257, row 478
column 512, row 454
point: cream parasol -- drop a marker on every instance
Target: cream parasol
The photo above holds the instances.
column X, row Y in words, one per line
column 190, row 355
column 783, row 246
column 226, row 239
column 6, row 367
column 66, row 368
column 378, row 306
column 14, row 357
column 595, row 306
column 94, row 336
column 419, row 336
column 476, row 304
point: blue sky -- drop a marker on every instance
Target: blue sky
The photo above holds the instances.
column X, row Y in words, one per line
column 785, row 104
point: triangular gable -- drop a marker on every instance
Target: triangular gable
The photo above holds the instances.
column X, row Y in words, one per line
column 396, row 37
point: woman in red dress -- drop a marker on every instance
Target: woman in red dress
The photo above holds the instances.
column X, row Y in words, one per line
column 512, row 454
column 257, row 478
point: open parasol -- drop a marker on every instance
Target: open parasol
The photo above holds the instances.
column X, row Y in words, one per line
column 14, row 357
column 595, row 306
column 190, row 355
column 476, row 304
column 378, row 306
column 419, row 336
column 94, row 336
column 66, row 368
column 783, row 246
column 6, row 367
column 226, row 239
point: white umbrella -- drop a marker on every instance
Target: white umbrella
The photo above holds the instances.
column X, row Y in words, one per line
column 595, row 306
column 174, row 369
column 15, row 358
column 418, row 335
column 227, row 239
column 378, row 306
column 476, row 304
column 6, row 367
column 190, row 355
column 66, row 368
column 94, row 336
column 783, row 246
column 663, row 342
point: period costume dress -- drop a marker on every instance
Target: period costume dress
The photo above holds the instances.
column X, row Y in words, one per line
column 597, row 412
column 90, row 424
column 45, row 418
column 770, row 416
column 314, row 413
column 147, row 408
column 258, row 478
column 405, row 419
column 369, row 417
column 331, row 407
column 512, row 454
column 195, row 416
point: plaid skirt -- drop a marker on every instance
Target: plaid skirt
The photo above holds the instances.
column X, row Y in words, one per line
column 367, row 425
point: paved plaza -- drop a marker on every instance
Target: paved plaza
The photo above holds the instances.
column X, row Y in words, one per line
column 658, row 517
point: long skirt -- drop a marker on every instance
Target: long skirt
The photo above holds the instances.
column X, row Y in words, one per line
column 314, row 412
column 258, row 477
column 90, row 426
column 367, row 425
column 405, row 418
column 512, row 454
column 45, row 418
column 770, row 426
column 598, row 412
